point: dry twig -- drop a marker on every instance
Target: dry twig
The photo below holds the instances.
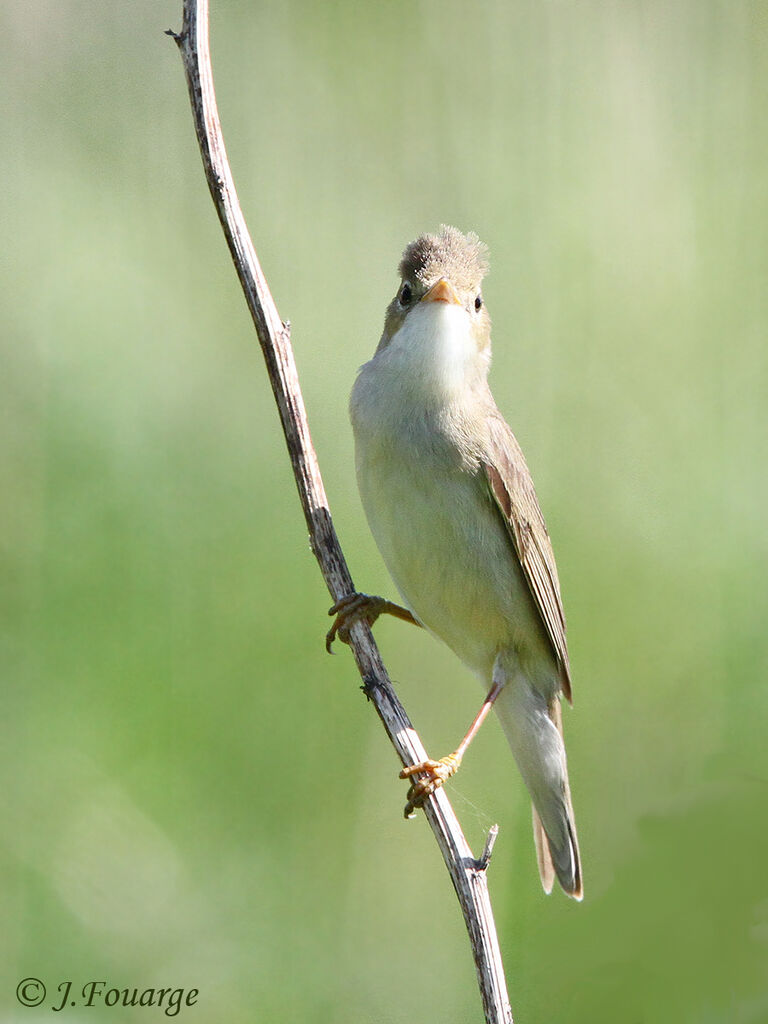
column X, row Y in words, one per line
column 467, row 874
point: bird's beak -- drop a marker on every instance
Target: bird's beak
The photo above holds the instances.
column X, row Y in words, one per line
column 442, row 291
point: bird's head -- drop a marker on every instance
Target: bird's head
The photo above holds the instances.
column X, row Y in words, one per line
column 438, row 313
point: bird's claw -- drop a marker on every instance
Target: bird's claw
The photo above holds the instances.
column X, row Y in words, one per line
column 435, row 773
column 348, row 611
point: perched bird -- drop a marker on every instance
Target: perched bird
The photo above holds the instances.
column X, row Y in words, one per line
column 451, row 505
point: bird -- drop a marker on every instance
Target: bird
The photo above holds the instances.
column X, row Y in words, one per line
column 452, row 507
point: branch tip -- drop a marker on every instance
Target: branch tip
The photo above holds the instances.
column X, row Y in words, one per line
column 485, row 859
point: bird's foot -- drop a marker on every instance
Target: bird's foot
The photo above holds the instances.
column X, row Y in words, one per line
column 352, row 609
column 435, row 773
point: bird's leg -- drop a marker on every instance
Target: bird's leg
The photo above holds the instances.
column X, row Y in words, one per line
column 353, row 607
column 438, row 772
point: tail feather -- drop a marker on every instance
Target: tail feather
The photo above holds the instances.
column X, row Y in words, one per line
column 534, row 731
column 543, row 856
column 556, row 716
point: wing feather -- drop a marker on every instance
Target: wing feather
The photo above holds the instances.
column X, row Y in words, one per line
column 512, row 488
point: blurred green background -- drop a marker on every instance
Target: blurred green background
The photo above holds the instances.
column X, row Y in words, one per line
column 193, row 793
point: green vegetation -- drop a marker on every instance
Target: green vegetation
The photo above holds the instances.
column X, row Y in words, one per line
column 194, row 795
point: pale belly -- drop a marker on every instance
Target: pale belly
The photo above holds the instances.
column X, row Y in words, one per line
column 448, row 551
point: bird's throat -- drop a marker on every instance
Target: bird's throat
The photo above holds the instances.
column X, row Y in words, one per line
column 436, row 352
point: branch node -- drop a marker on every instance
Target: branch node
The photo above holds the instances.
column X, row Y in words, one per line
column 370, row 685
column 485, row 859
column 177, row 37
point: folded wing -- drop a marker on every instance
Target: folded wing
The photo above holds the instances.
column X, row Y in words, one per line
column 512, row 489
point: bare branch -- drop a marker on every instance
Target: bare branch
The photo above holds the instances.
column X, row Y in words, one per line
column 467, row 874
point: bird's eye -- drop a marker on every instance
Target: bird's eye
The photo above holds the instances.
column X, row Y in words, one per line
column 479, row 302
column 405, row 294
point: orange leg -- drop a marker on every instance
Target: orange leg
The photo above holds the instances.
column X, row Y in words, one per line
column 436, row 773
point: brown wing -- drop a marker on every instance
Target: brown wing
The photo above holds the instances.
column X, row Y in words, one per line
column 512, row 489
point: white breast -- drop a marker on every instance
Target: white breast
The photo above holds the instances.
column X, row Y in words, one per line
column 438, row 530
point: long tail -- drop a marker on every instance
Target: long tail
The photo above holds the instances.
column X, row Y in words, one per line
column 535, row 734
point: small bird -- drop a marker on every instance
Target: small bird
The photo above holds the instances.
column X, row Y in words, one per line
column 451, row 505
